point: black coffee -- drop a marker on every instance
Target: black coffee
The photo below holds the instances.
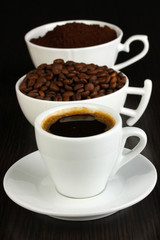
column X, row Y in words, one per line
column 79, row 124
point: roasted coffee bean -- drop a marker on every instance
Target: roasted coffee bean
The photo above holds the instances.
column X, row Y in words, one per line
column 109, row 91
column 94, row 93
column 105, row 85
column 79, row 66
column 119, row 85
column 27, row 90
column 68, row 94
column 49, row 76
column 33, row 94
column 31, row 82
column 59, row 98
column 107, row 79
column 70, row 68
column 54, row 87
column 23, row 86
column 83, row 75
column 66, row 98
column 57, row 68
column 40, row 97
column 51, row 94
column 68, row 81
column 67, row 87
column 102, row 91
column 89, row 87
column 47, row 98
column 102, row 80
column 48, row 83
column 41, row 93
column 42, row 66
column 43, row 88
column 102, row 74
column 59, row 61
column 59, row 83
column 113, row 74
column 34, row 91
column 37, row 85
column 80, row 90
column 70, row 75
column 113, row 85
column 85, row 94
column 78, row 86
column 97, row 88
column 92, row 78
column 71, row 81
column 113, row 80
column 65, row 71
column 78, row 96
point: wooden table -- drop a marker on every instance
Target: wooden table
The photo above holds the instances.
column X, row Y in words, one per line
column 138, row 222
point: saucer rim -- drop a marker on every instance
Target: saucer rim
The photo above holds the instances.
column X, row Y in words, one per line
column 79, row 216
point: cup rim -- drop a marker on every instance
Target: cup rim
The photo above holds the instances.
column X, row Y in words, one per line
column 29, row 35
column 115, row 115
column 66, row 102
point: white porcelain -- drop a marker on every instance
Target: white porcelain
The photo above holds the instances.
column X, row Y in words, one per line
column 81, row 167
column 103, row 54
column 27, row 184
column 32, row 107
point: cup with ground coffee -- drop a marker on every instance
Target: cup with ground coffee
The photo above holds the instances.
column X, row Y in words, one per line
column 61, row 83
column 82, row 147
column 81, row 41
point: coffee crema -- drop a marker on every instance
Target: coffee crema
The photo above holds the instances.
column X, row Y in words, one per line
column 78, row 124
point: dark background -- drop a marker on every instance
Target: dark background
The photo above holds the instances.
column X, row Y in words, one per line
column 139, row 222
column 18, row 17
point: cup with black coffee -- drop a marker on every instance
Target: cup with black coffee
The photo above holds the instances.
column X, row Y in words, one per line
column 82, row 147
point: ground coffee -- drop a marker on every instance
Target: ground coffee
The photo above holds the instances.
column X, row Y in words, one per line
column 76, row 35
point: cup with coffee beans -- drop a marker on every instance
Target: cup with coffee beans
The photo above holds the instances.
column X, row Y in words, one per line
column 61, row 83
column 82, row 146
column 77, row 40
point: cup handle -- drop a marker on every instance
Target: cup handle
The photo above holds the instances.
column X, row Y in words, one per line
column 145, row 92
column 128, row 156
column 126, row 48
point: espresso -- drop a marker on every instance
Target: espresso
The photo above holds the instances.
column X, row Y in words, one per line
column 79, row 124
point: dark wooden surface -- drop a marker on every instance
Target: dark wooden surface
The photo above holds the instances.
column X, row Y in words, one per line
column 139, row 222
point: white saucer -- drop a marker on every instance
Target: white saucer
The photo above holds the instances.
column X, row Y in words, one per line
column 28, row 185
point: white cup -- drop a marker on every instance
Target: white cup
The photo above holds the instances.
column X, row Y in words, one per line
column 103, row 54
column 81, row 167
column 32, row 107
